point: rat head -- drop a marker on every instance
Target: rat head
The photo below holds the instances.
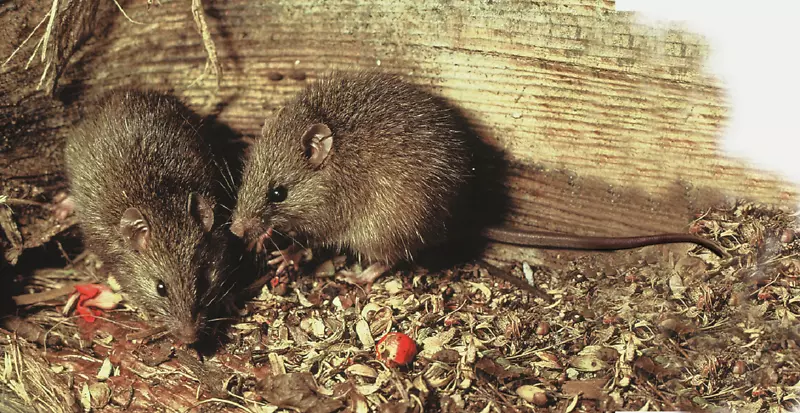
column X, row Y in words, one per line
column 173, row 266
column 286, row 182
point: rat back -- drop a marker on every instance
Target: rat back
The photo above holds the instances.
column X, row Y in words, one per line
column 140, row 152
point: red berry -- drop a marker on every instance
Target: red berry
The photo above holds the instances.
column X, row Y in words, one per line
column 396, row 349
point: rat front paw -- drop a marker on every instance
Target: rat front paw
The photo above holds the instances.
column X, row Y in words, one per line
column 63, row 206
column 366, row 277
column 291, row 256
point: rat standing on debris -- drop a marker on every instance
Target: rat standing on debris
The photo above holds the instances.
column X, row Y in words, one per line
column 145, row 185
column 370, row 164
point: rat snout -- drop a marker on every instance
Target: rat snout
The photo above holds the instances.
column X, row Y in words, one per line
column 188, row 333
column 241, row 227
column 237, row 228
column 251, row 232
column 187, row 329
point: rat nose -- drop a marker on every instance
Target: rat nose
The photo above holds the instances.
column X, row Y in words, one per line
column 237, row 228
column 241, row 227
column 187, row 334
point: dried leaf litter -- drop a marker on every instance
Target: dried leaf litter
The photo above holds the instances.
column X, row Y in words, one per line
column 657, row 329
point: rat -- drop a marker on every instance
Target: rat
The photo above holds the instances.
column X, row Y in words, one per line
column 145, row 186
column 373, row 165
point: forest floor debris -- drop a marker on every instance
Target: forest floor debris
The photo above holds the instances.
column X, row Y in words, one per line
column 647, row 329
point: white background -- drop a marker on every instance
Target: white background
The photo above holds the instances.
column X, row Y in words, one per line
column 754, row 50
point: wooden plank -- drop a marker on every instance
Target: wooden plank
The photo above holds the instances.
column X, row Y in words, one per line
column 612, row 127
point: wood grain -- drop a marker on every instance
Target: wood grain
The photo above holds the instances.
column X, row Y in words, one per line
column 611, row 127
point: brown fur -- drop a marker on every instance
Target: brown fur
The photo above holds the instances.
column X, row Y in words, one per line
column 397, row 164
column 142, row 150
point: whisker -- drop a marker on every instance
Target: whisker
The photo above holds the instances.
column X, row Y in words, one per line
column 231, row 286
column 214, row 320
column 274, row 244
column 230, row 179
column 225, row 294
column 230, row 174
column 228, row 183
column 224, row 188
column 224, row 273
column 217, row 297
column 293, row 239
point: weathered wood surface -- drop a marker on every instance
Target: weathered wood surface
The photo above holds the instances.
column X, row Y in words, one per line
column 611, row 126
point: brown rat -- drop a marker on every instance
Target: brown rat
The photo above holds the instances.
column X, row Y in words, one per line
column 370, row 164
column 145, row 187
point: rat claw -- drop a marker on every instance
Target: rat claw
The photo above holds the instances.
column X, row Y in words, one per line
column 284, row 265
column 289, row 257
column 258, row 243
column 283, row 261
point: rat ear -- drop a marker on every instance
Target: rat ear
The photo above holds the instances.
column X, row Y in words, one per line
column 135, row 229
column 201, row 210
column 317, row 142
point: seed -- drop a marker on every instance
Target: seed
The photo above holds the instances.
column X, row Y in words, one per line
column 532, row 394
column 739, row 367
column 542, row 328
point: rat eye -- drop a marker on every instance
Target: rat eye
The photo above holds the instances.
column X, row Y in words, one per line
column 161, row 288
column 278, row 194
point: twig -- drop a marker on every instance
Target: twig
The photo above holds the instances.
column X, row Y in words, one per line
column 119, row 6
column 508, row 405
column 36, row 298
column 33, row 55
column 44, row 75
column 26, row 40
column 50, row 24
column 208, row 42
column 64, row 253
